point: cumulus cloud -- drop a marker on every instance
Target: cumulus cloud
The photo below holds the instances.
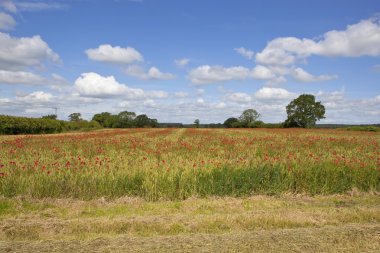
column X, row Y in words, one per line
column 262, row 73
column 182, row 62
column 361, row 39
column 116, row 55
column 239, row 97
column 181, row 94
column 8, row 5
column 97, row 86
column 36, row 97
column 18, row 53
column 152, row 74
column 94, row 85
column 20, row 77
column 6, row 21
column 245, row 52
column 267, row 93
column 213, row 74
column 301, row 75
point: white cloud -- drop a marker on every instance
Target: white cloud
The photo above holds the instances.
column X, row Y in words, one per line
column 361, row 39
column 182, row 62
column 36, row 97
column 262, row 73
column 8, row 5
column 97, row 86
column 116, row 55
column 18, row 53
column 94, row 85
column 220, row 105
column 245, row 52
column 213, row 74
column 239, row 97
column 152, row 74
column 156, row 74
column 200, row 101
column 200, row 92
column 267, row 93
column 16, row 6
column 181, row 94
column 157, row 94
column 149, row 103
column 39, row 6
column 302, row 76
column 6, row 21
column 20, row 77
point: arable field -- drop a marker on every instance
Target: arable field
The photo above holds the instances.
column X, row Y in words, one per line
column 191, row 190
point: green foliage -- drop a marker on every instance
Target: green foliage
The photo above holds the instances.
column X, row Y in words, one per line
column 249, row 117
column 196, row 123
column 50, row 116
column 304, row 112
column 363, row 128
column 143, row 121
column 229, row 122
column 180, row 184
column 23, row 125
column 102, row 118
column 76, row 116
column 124, row 119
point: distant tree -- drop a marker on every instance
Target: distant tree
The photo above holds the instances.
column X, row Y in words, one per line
column 103, row 118
column 229, row 122
column 304, row 111
column 249, row 117
column 50, row 116
column 142, row 121
column 75, row 117
column 196, row 123
column 125, row 119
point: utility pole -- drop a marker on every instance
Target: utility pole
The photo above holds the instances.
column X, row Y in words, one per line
column 56, row 111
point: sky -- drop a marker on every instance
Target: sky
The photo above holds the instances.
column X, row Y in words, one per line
column 181, row 60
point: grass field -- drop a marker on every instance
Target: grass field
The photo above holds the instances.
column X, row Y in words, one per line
column 187, row 190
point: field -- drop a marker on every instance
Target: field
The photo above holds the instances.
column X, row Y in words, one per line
column 186, row 189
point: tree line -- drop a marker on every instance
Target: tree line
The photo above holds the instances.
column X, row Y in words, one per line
column 50, row 124
column 303, row 111
column 45, row 125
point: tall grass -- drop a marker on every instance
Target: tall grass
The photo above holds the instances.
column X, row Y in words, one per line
column 177, row 164
column 181, row 184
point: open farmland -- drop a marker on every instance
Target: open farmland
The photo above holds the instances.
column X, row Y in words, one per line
column 186, row 190
column 176, row 164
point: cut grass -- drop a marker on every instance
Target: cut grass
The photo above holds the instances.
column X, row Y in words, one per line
column 335, row 223
column 334, row 239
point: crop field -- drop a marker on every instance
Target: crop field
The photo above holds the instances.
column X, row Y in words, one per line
column 175, row 164
column 186, row 189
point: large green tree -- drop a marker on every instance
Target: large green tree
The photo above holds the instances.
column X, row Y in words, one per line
column 249, row 117
column 228, row 123
column 304, row 112
column 125, row 119
column 105, row 119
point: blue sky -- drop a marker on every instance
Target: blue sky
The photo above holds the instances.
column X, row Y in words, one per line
column 181, row 60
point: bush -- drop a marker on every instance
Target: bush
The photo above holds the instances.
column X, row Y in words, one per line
column 24, row 125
